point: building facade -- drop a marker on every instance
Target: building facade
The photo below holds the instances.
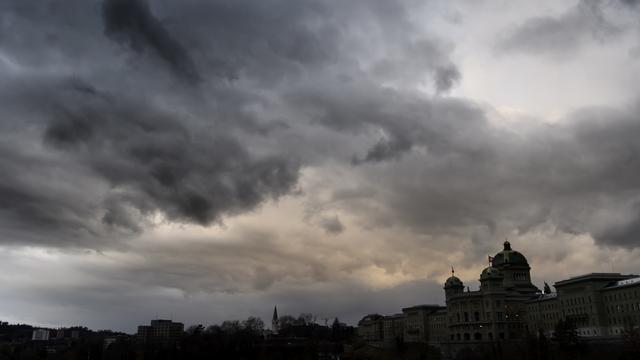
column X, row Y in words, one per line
column 417, row 322
column 371, row 329
column 600, row 305
column 40, row 334
column 508, row 306
column 160, row 332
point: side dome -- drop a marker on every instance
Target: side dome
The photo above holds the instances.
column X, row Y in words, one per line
column 453, row 282
column 490, row 273
column 509, row 256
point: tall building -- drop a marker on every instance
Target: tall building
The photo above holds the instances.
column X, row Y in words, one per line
column 508, row 307
column 160, row 332
column 40, row 334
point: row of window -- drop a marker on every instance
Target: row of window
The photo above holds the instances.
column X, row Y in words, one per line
column 499, row 316
column 624, row 295
column 622, row 308
column 476, row 336
column 548, row 305
column 465, row 304
column 624, row 320
column 582, row 300
column 544, row 316
column 519, row 276
column 578, row 310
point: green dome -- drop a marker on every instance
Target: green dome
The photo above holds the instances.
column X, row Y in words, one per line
column 453, row 282
column 508, row 256
column 490, row 272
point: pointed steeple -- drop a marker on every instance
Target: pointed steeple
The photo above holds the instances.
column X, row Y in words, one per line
column 275, row 323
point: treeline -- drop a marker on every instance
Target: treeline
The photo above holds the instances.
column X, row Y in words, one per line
column 301, row 337
column 298, row 338
column 64, row 344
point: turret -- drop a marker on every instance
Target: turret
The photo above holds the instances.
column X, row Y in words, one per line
column 491, row 279
column 453, row 285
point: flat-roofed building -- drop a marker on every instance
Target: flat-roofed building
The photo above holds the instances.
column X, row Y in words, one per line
column 393, row 329
column 40, row 334
column 543, row 314
column 597, row 304
column 438, row 327
column 160, row 331
column 417, row 322
column 371, row 329
column 621, row 303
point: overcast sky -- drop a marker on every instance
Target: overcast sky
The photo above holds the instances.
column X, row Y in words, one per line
column 205, row 160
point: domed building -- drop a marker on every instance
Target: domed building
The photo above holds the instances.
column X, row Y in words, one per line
column 507, row 306
column 515, row 270
column 453, row 285
column 496, row 310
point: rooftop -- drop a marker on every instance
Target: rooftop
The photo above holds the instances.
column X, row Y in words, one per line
column 623, row 283
column 424, row 307
column 543, row 297
column 594, row 276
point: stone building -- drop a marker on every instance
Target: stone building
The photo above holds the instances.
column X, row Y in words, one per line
column 600, row 305
column 508, row 307
column 438, row 327
column 371, row 329
column 497, row 310
column 621, row 305
column 393, row 329
column 417, row 322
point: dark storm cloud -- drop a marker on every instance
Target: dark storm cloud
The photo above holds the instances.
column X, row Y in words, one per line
column 566, row 33
column 131, row 22
column 153, row 161
column 227, row 146
column 41, row 207
column 146, row 145
column 405, row 120
column 103, row 165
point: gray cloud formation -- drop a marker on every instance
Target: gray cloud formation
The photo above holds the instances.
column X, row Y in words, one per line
column 581, row 176
column 151, row 160
column 150, row 145
column 227, row 146
column 332, row 225
column 565, row 34
column 131, row 21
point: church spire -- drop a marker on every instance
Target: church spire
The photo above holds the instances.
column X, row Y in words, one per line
column 275, row 323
